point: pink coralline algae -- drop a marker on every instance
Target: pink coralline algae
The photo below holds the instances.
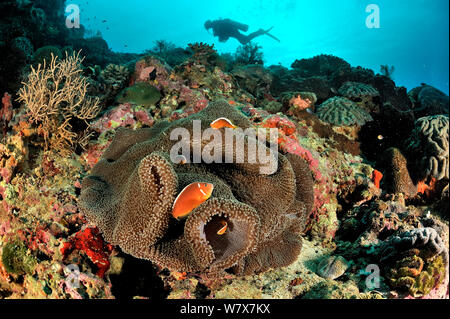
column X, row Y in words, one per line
column 125, row 115
column 151, row 69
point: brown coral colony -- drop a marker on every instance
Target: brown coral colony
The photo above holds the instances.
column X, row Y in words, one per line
column 251, row 222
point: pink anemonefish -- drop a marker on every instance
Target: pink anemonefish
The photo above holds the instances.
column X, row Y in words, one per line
column 191, row 197
column 224, row 228
column 222, row 122
column 179, row 159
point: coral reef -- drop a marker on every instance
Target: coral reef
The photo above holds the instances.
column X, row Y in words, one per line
column 254, row 78
column 362, row 182
column 341, row 111
column 321, row 65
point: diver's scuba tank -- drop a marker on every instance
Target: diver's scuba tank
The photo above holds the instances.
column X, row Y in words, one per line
column 240, row 26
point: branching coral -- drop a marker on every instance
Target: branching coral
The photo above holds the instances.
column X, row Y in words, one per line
column 428, row 147
column 387, row 70
column 203, row 53
column 131, row 190
column 342, row 111
column 55, row 95
column 249, row 53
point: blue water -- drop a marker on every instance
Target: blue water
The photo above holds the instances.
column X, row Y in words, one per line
column 413, row 34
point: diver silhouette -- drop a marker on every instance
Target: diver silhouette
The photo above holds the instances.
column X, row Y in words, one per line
column 227, row 28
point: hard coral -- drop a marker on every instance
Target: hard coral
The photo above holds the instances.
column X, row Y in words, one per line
column 341, row 111
column 203, row 53
column 428, row 101
column 320, row 65
column 428, row 147
column 363, row 94
column 130, row 192
column 417, row 261
column 115, row 75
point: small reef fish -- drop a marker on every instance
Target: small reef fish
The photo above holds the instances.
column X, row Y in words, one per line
column 380, row 137
column 179, row 159
column 224, row 228
column 222, row 122
column 190, row 198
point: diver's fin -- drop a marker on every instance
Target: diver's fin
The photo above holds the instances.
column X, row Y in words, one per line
column 273, row 37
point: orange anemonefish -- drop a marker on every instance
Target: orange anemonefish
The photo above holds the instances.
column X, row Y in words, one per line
column 179, row 159
column 222, row 122
column 190, row 198
column 224, row 228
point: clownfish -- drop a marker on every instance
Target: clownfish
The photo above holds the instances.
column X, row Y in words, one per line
column 222, row 122
column 190, row 198
column 224, row 228
column 179, row 159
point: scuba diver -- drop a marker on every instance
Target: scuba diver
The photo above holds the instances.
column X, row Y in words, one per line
column 227, row 28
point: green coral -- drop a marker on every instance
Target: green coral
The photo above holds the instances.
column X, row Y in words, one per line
column 45, row 54
column 141, row 93
column 17, row 259
column 273, row 106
